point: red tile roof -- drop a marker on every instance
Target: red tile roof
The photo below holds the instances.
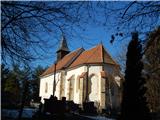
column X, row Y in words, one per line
column 79, row 57
column 64, row 62
column 95, row 55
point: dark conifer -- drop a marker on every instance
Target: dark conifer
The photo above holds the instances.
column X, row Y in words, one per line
column 134, row 105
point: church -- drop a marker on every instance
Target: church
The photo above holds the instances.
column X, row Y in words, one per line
column 83, row 76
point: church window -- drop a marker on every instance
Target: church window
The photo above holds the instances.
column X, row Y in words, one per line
column 78, row 83
column 63, row 84
column 71, row 87
column 46, row 87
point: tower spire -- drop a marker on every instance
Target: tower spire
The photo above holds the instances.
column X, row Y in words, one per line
column 63, row 44
column 63, row 48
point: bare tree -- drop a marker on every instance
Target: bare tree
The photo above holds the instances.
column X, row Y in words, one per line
column 141, row 16
column 121, row 57
column 23, row 23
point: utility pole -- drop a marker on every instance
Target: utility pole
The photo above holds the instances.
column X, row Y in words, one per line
column 54, row 82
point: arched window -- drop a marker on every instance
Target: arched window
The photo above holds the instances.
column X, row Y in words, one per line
column 46, row 87
column 71, row 87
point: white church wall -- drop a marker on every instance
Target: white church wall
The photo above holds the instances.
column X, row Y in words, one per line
column 58, row 80
column 46, row 94
column 95, row 93
column 49, row 80
column 76, row 72
column 94, row 73
column 67, row 89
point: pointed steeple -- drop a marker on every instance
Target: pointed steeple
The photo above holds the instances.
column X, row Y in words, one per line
column 63, row 45
column 63, row 49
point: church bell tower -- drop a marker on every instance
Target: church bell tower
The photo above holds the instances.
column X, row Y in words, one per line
column 63, row 49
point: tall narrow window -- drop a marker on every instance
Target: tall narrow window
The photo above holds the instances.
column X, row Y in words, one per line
column 78, row 83
column 71, row 89
column 46, row 87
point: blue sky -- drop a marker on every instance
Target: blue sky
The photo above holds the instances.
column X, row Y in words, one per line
column 84, row 28
column 92, row 36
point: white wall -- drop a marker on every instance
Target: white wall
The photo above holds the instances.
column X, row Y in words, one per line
column 94, row 77
column 95, row 83
column 49, row 80
column 95, row 94
column 76, row 72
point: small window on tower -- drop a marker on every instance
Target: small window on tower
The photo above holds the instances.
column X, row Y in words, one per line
column 46, row 87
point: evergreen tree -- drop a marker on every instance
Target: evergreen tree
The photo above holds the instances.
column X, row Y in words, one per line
column 4, row 76
column 35, row 82
column 134, row 105
column 12, row 85
column 26, row 76
column 4, row 95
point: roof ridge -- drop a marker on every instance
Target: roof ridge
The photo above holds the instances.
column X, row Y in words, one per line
column 73, row 51
column 74, row 58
